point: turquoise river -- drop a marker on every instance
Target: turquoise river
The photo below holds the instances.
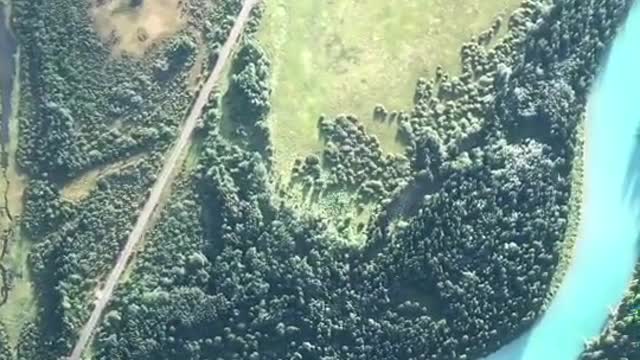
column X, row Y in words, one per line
column 606, row 248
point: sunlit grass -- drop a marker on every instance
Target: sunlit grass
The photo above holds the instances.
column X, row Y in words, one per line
column 346, row 56
column 20, row 306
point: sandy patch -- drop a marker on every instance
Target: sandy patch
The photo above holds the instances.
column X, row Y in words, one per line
column 131, row 29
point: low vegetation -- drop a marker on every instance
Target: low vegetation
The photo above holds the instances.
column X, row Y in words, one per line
column 16, row 293
column 358, row 60
column 81, row 186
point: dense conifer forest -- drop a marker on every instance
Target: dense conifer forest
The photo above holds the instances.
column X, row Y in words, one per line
column 462, row 245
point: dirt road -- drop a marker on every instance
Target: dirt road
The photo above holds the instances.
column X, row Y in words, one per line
column 162, row 181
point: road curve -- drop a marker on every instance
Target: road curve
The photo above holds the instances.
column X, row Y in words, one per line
column 162, row 181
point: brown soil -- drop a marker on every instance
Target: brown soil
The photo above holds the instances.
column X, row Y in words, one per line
column 131, row 29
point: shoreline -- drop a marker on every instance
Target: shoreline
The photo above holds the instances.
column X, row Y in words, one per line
column 617, row 310
column 568, row 247
column 577, row 205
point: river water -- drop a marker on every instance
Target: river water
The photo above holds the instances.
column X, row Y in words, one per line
column 7, row 72
column 606, row 249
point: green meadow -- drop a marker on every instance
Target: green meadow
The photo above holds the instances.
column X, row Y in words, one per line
column 331, row 57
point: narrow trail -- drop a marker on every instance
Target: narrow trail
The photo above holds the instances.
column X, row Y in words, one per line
column 162, row 181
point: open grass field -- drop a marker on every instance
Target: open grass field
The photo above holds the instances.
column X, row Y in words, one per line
column 346, row 56
column 79, row 188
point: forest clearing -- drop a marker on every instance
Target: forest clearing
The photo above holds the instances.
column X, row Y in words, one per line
column 349, row 56
column 132, row 26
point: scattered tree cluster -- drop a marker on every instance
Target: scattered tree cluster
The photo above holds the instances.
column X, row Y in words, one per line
column 352, row 159
column 248, row 100
column 180, row 53
column 249, row 89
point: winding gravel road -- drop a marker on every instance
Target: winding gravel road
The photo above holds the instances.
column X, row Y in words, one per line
column 162, row 181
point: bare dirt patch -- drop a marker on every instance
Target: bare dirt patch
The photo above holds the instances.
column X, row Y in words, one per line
column 132, row 26
column 80, row 188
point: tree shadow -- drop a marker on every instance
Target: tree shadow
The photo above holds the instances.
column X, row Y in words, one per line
column 408, row 201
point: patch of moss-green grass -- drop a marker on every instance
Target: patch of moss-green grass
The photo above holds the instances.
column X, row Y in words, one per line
column 347, row 56
column 20, row 306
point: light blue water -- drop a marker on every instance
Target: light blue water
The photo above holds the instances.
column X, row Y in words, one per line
column 606, row 248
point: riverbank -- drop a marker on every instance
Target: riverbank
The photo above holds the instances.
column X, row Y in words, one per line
column 605, row 251
column 620, row 333
column 576, row 208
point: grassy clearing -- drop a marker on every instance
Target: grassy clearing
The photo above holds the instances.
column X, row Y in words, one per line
column 346, row 56
column 346, row 215
column 133, row 29
column 20, row 306
column 79, row 188
column 15, row 177
column 193, row 154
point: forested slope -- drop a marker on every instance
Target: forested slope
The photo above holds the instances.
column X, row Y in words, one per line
column 83, row 107
column 233, row 272
column 465, row 236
